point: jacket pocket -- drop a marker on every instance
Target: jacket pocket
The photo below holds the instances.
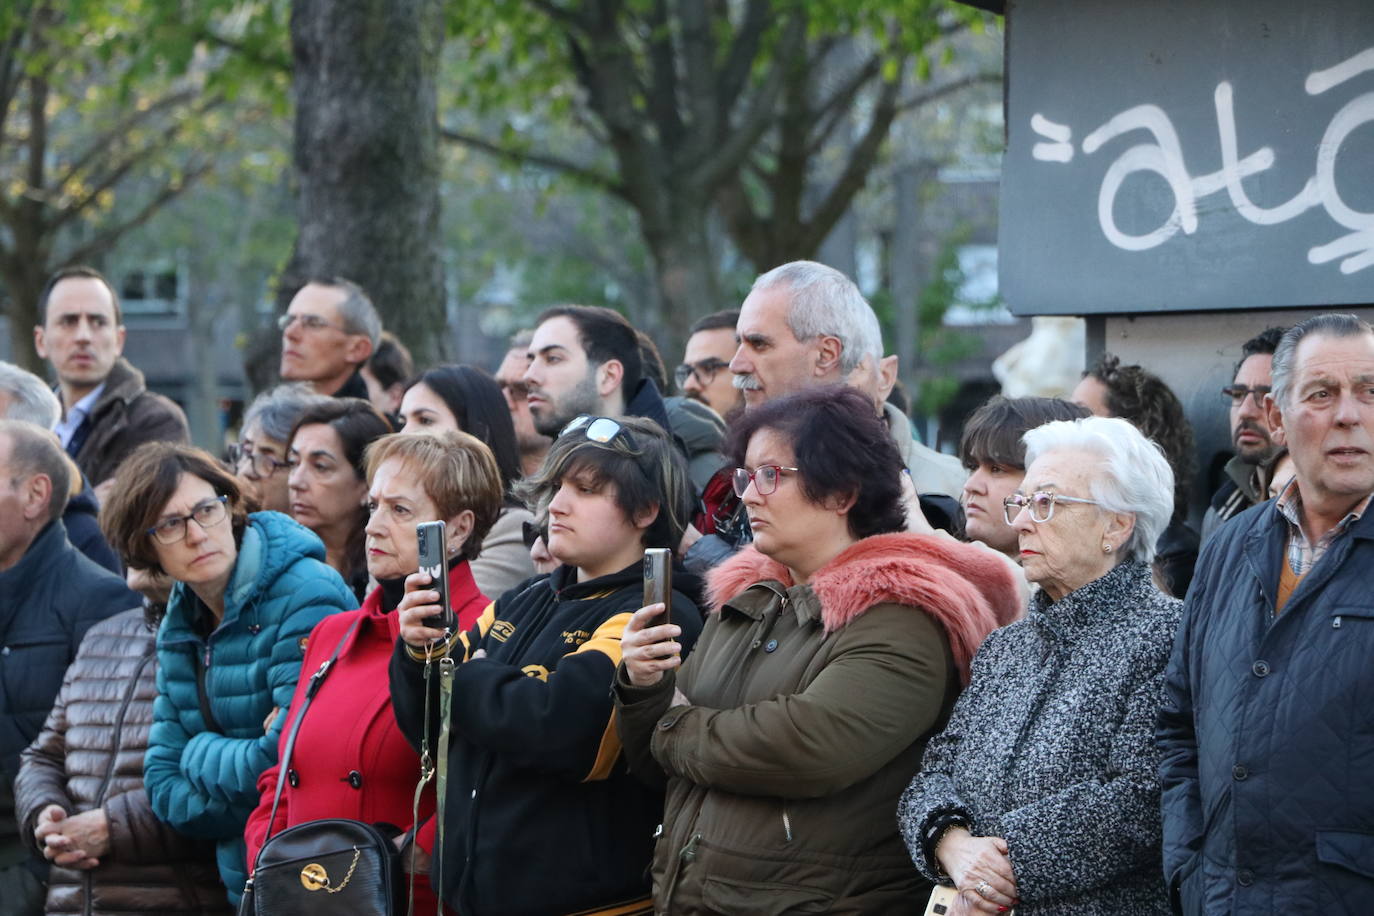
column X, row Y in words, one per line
column 732, row 896
column 1345, row 871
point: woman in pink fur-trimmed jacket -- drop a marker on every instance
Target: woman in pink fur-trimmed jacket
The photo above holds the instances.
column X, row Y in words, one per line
column 837, row 645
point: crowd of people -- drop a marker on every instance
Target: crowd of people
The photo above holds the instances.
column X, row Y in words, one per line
column 1017, row 673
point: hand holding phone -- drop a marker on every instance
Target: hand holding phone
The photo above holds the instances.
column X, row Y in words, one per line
column 658, row 581
column 433, row 554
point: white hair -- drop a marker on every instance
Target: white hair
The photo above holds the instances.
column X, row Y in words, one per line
column 31, row 399
column 1134, row 476
column 825, row 302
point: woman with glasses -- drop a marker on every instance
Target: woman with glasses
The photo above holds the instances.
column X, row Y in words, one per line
column 350, row 759
column 260, row 455
column 469, row 400
column 328, row 482
column 835, row 648
column 249, row 589
column 1042, row 792
column 542, row 816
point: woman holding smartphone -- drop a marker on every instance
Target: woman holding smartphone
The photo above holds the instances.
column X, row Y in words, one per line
column 350, row 760
column 536, row 779
column 835, row 648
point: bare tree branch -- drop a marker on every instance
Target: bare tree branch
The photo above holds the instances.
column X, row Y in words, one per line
column 757, row 119
column 11, row 74
column 833, row 110
column 740, row 61
column 938, row 92
column 663, row 87
column 128, row 163
column 582, row 173
column 110, row 235
column 267, row 61
column 100, row 146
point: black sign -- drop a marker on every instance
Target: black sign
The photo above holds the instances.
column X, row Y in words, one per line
column 1170, row 155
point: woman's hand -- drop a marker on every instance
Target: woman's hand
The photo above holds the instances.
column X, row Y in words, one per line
column 649, row 650
column 980, row 868
column 77, row 841
column 414, row 860
column 418, row 604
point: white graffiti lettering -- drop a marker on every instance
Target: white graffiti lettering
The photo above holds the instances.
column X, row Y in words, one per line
column 1163, row 156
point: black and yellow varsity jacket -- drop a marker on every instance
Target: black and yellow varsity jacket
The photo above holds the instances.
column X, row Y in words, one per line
column 541, row 814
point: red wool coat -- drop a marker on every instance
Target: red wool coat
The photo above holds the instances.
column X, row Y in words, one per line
column 350, row 759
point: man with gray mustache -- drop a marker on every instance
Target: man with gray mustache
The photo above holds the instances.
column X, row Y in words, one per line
column 1247, row 474
column 805, row 325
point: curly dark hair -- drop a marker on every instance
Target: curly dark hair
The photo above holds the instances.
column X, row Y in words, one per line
column 1141, row 397
column 842, row 448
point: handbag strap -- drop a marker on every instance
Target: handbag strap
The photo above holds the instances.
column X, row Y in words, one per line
column 311, row 689
column 446, row 669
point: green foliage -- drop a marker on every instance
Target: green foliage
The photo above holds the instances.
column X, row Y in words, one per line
column 943, row 346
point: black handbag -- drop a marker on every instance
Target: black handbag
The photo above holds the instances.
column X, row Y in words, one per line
column 322, row 867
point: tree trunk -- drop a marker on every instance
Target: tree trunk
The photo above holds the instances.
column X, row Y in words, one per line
column 367, row 158
column 685, row 272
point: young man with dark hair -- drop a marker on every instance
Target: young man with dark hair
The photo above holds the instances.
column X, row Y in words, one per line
column 586, row 360
column 1248, row 472
column 107, row 409
column 386, row 373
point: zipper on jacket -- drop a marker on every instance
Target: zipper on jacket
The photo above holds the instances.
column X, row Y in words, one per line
column 119, row 729
column 786, row 823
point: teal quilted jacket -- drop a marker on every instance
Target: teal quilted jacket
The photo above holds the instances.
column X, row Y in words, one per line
column 202, row 779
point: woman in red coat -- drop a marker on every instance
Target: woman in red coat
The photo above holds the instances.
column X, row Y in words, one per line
column 350, row 759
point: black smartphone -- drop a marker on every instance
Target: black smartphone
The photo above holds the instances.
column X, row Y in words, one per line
column 658, row 581
column 434, row 560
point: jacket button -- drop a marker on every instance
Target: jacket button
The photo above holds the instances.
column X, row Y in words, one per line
column 756, row 643
column 1260, row 668
column 1245, row 877
column 771, row 646
column 293, row 778
column 355, row 779
column 1240, row 773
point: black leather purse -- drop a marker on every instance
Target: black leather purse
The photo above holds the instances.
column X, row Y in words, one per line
column 323, row 867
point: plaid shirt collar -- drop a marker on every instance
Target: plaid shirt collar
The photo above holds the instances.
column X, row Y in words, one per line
column 1302, row 553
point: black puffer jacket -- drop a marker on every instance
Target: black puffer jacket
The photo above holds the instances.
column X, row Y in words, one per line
column 90, row 755
column 542, row 815
column 1267, row 728
column 48, row 600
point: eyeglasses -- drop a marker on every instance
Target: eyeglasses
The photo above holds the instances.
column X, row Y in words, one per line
column 705, row 371
column 1039, row 504
column 764, row 479
column 206, row 515
column 308, row 322
column 1238, row 394
column 260, row 463
column 602, row 430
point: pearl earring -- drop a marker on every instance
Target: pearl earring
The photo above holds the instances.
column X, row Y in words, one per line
column 1106, row 548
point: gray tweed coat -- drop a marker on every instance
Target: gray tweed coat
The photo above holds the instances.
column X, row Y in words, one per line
column 1052, row 748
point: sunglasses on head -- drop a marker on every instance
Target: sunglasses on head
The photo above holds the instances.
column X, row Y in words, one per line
column 602, row 430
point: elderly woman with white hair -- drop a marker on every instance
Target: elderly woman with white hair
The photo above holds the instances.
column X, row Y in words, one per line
column 1042, row 792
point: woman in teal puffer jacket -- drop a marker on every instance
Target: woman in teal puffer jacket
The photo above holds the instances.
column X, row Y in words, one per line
column 249, row 590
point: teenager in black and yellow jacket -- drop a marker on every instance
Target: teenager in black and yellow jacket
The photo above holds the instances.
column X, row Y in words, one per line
column 542, row 817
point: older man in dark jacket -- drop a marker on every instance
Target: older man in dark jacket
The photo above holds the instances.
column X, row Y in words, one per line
column 50, row 594
column 1267, row 728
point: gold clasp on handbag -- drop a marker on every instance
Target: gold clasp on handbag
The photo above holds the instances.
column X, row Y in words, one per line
column 315, row 878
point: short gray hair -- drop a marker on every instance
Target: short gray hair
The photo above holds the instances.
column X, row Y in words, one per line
column 1329, row 324
column 31, row 399
column 34, row 450
column 1135, row 476
column 356, row 311
column 278, row 409
column 827, row 303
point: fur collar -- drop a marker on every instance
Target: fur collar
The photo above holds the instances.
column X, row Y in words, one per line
column 966, row 589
